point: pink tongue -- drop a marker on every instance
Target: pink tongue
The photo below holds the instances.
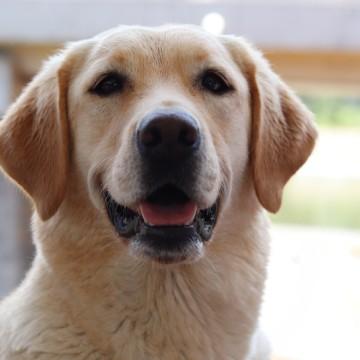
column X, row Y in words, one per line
column 182, row 214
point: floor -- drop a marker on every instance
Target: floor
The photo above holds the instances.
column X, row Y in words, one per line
column 312, row 302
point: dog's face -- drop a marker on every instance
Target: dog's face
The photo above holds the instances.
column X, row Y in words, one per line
column 164, row 126
column 156, row 119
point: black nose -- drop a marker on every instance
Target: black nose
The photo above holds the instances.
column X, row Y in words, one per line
column 168, row 135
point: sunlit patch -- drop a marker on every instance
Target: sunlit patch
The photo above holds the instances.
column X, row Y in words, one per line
column 213, row 23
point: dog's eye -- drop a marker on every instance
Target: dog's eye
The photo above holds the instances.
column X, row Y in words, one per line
column 109, row 84
column 215, row 83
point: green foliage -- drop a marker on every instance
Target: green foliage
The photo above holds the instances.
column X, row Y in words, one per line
column 335, row 111
column 322, row 202
column 328, row 201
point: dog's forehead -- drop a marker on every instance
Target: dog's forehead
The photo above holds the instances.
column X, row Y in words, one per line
column 163, row 44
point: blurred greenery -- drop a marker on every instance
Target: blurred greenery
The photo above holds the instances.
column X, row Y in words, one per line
column 326, row 201
column 321, row 202
column 332, row 111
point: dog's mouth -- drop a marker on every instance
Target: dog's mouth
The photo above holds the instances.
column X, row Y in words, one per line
column 167, row 226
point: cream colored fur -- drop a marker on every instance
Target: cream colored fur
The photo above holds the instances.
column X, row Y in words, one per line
column 85, row 296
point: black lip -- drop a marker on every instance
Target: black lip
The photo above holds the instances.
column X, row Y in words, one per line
column 125, row 221
column 162, row 243
column 169, row 244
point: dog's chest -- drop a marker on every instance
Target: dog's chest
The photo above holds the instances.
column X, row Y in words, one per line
column 176, row 340
column 162, row 335
column 177, row 322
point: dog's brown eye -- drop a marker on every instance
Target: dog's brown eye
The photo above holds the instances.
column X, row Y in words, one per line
column 215, row 83
column 109, row 84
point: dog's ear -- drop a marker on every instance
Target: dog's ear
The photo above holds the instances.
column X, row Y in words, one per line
column 34, row 138
column 283, row 133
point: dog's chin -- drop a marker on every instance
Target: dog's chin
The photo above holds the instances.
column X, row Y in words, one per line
column 167, row 227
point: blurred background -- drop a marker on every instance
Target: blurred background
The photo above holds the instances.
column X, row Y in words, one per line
column 312, row 301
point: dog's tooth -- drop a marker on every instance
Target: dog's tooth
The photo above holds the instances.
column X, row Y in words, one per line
column 146, row 221
column 191, row 220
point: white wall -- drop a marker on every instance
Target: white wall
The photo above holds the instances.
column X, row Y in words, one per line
column 295, row 24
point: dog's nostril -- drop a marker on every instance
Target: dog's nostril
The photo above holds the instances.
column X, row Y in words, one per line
column 151, row 137
column 188, row 136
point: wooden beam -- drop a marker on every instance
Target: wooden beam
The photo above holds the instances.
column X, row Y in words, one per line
column 334, row 72
column 316, row 71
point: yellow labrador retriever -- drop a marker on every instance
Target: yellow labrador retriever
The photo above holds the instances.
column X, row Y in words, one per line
column 150, row 156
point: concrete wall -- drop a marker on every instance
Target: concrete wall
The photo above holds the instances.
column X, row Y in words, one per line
column 11, row 264
column 15, row 245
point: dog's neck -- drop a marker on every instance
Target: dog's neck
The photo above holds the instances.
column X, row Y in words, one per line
column 112, row 296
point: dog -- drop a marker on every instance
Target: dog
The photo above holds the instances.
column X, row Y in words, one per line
column 150, row 156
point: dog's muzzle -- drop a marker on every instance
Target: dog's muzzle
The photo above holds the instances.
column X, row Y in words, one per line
column 167, row 225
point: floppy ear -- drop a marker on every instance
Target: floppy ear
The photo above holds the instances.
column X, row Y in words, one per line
column 34, row 139
column 282, row 132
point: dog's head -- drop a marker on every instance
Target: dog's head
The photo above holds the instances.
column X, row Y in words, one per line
column 162, row 127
